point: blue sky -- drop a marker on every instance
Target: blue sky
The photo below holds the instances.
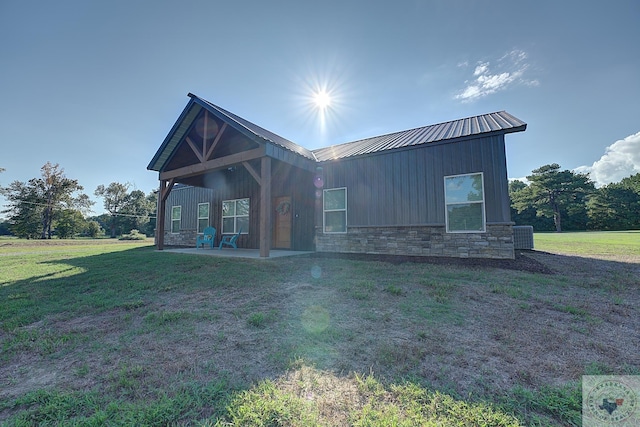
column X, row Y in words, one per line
column 96, row 85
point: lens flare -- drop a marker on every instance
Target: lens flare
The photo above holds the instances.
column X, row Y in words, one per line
column 316, row 272
column 321, row 89
column 315, row 319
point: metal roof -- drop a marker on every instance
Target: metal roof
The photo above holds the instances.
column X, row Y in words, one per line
column 173, row 138
column 257, row 130
column 501, row 122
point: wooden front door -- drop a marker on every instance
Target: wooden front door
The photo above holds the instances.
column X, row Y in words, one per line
column 282, row 222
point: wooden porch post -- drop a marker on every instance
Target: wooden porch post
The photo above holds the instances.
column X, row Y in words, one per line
column 163, row 193
column 265, row 206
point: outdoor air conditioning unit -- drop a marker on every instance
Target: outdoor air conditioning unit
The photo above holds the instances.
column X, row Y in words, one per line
column 523, row 237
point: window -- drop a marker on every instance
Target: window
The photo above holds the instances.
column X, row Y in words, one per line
column 235, row 216
column 464, row 198
column 176, row 213
column 334, row 214
column 203, row 216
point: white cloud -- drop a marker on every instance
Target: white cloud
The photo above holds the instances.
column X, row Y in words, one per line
column 482, row 68
column 620, row 160
column 510, row 67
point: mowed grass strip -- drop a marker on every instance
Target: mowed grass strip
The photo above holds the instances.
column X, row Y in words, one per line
column 161, row 338
column 608, row 243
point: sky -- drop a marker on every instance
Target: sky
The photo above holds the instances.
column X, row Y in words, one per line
column 95, row 86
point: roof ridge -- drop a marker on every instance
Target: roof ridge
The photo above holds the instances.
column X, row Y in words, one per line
column 494, row 122
column 263, row 133
column 412, row 129
column 481, row 124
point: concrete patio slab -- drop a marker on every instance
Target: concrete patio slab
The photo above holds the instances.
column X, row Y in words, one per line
column 236, row 253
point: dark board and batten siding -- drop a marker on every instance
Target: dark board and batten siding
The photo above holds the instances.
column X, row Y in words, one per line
column 188, row 198
column 238, row 184
column 406, row 187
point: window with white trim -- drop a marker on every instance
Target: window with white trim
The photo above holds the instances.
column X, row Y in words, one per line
column 334, row 210
column 203, row 216
column 464, row 199
column 176, row 216
column 235, row 216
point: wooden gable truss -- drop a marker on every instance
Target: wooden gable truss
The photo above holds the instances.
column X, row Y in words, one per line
column 207, row 139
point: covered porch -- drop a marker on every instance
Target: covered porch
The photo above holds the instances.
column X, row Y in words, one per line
column 211, row 148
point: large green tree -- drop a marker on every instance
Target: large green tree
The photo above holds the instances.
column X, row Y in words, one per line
column 4, row 228
column 616, row 206
column 632, row 182
column 527, row 215
column 553, row 192
column 58, row 194
column 42, row 200
column 115, row 197
column 25, row 209
column 69, row 223
column 137, row 211
column 127, row 210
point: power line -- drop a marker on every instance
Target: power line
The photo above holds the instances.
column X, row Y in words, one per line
column 106, row 213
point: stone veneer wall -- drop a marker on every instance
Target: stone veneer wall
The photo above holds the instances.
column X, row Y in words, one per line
column 184, row 238
column 496, row 242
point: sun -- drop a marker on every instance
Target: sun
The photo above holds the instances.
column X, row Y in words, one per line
column 322, row 99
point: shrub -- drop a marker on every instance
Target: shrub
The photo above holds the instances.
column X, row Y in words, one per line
column 133, row 235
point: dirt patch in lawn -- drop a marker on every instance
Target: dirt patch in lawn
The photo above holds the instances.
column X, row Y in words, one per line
column 469, row 326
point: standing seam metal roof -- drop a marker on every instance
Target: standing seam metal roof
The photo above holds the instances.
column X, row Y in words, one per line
column 500, row 121
column 259, row 131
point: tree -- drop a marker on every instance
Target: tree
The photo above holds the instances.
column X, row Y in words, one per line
column 553, row 192
column 5, row 228
column 103, row 220
column 128, row 211
column 528, row 215
column 25, row 209
column 56, row 191
column 614, row 207
column 115, row 198
column 69, row 223
column 150, row 227
column 92, row 229
column 35, row 205
column 632, row 182
column 136, row 211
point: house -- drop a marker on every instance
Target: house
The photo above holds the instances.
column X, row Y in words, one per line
column 438, row 190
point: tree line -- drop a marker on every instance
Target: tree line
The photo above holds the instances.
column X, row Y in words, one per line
column 53, row 204
column 551, row 200
column 557, row 200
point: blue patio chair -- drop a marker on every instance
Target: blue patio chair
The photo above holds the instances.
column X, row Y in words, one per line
column 230, row 240
column 207, row 238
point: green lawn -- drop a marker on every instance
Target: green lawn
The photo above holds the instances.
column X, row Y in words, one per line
column 116, row 333
column 590, row 243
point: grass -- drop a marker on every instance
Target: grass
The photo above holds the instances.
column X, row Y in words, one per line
column 614, row 243
column 114, row 333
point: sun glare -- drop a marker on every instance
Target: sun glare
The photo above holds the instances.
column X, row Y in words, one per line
column 322, row 100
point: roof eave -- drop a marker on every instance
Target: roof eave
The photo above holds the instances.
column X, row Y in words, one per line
column 152, row 164
column 515, row 129
column 261, row 139
column 519, row 128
